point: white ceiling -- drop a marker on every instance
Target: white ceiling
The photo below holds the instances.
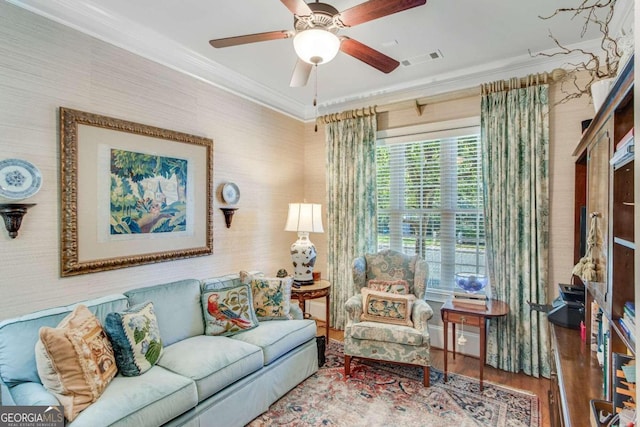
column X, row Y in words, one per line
column 480, row 41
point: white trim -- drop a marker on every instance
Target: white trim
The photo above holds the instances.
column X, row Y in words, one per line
column 471, row 348
column 90, row 18
column 439, row 130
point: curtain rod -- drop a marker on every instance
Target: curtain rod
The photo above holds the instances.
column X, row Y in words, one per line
column 419, row 103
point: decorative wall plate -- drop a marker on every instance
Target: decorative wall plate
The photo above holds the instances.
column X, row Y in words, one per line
column 230, row 193
column 19, row 179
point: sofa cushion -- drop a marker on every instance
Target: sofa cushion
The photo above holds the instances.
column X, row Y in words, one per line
column 177, row 307
column 220, row 282
column 277, row 338
column 135, row 338
column 213, row 362
column 151, row 399
column 386, row 332
column 75, row 360
column 271, row 295
column 387, row 307
column 18, row 336
column 228, row 311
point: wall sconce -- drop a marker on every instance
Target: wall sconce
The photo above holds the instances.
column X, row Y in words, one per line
column 12, row 214
column 228, row 215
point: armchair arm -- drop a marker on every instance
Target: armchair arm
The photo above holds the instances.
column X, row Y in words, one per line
column 354, row 309
column 420, row 314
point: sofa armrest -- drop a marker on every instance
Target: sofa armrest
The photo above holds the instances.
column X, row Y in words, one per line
column 32, row 394
column 354, row 309
column 295, row 311
column 420, row 315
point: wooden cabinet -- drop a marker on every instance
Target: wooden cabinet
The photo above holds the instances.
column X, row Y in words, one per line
column 606, row 188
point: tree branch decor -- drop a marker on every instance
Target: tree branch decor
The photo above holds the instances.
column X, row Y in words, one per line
column 597, row 65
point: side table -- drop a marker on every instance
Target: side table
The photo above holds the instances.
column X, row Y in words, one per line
column 319, row 289
column 470, row 317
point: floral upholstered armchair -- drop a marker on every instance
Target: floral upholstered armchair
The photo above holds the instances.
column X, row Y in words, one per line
column 387, row 320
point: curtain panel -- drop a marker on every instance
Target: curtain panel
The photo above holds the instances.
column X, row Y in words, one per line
column 515, row 157
column 351, row 205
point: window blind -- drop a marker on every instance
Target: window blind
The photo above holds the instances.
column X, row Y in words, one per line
column 430, row 203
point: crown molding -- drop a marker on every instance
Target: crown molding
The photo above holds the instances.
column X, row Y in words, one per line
column 503, row 69
column 90, row 18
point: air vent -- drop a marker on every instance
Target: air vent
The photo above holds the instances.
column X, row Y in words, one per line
column 421, row 59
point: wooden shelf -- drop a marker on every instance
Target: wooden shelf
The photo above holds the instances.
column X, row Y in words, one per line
column 579, row 375
column 608, row 189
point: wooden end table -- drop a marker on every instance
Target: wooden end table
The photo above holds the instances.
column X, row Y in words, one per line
column 470, row 317
column 319, row 289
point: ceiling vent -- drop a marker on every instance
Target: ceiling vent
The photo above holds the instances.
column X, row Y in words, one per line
column 421, row 59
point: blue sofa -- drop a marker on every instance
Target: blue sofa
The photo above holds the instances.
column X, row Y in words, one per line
column 200, row 380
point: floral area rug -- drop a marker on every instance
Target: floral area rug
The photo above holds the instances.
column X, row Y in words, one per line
column 380, row 394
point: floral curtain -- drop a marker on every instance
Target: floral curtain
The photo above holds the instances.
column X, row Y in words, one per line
column 515, row 141
column 351, row 205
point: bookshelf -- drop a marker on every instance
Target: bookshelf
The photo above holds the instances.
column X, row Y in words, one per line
column 604, row 185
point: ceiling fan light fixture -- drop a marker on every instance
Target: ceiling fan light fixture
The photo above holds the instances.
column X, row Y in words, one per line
column 316, row 46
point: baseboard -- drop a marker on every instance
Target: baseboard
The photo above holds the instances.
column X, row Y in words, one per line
column 471, row 348
column 317, row 308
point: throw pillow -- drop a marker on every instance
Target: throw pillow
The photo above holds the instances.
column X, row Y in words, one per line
column 75, row 360
column 271, row 295
column 135, row 338
column 228, row 311
column 387, row 307
column 393, row 286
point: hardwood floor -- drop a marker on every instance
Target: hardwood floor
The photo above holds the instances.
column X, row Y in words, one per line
column 469, row 366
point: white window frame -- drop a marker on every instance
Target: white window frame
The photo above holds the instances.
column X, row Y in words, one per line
column 430, row 131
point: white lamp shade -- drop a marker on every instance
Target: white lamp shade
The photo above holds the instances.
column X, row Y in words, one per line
column 316, row 46
column 305, row 217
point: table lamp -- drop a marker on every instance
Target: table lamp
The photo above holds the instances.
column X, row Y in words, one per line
column 304, row 218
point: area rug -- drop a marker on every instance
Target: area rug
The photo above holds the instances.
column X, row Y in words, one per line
column 380, row 394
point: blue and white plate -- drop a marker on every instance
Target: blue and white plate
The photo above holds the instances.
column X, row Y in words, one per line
column 19, row 179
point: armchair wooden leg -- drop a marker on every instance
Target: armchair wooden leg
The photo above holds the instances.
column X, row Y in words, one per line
column 425, row 372
column 347, row 365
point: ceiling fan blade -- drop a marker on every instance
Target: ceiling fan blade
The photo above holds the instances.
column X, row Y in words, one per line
column 301, row 74
column 374, row 9
column 297, row 7
column 251, row 38
column 368, row 55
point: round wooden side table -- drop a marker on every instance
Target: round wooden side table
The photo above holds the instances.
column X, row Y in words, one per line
column 319, row 289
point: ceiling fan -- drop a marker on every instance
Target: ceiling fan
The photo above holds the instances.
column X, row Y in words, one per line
column 315, row 34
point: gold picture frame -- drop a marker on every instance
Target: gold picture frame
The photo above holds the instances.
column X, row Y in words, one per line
column 131, row 194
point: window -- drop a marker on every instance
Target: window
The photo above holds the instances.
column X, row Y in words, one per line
column 429, row 184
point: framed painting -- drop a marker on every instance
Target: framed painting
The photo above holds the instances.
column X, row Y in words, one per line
column 131, row 194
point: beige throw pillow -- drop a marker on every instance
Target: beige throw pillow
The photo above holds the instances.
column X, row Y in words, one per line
column 387, row 307
column 75, row 360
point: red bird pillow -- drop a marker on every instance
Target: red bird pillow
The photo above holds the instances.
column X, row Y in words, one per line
column 228, row 311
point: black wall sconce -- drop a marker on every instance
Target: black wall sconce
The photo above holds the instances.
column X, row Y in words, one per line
column 12, row 214
column 228, row 215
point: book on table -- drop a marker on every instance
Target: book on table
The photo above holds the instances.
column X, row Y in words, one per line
column 481, row 296
column 479, row 304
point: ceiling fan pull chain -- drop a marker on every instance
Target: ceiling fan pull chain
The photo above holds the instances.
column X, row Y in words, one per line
column 315, row 96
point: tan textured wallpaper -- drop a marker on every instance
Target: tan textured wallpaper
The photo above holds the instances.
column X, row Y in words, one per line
column 44, row 65
column 273, row 158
